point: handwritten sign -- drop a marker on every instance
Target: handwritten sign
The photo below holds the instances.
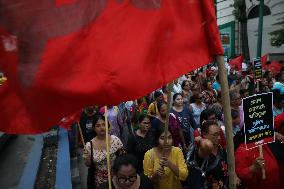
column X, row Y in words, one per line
column 258, row 118
column 257, row 67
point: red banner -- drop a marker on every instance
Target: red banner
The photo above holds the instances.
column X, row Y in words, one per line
column 59, row 57
column 237, row 62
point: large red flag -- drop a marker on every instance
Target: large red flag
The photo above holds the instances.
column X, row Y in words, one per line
column 59, row 56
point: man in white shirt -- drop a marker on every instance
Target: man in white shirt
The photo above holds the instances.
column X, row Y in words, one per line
column 177, row 87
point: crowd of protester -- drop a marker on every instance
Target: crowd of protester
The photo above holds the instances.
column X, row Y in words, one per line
column 192, row 154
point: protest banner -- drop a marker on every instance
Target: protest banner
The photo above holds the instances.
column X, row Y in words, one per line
column 257, row 68
column 258, row 118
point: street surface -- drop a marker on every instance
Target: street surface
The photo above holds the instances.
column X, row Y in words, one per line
column 13, row 157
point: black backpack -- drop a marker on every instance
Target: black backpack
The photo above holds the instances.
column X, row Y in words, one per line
column 197, row 174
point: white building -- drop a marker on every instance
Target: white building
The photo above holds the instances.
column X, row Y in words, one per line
column 229, row 27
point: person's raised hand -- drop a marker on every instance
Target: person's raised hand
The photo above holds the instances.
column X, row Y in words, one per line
column 205, row 148
column 258, row 164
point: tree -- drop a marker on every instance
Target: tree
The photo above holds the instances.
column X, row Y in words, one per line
column 241, row 16
column 277, row 36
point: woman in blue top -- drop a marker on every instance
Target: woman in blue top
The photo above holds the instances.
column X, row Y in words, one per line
column 279, row 84
column 185, row 118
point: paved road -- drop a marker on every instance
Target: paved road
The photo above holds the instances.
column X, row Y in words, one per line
column 82, row 169
column 13, row 157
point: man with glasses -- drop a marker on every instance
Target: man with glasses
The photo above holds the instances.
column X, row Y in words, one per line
column 207, row 160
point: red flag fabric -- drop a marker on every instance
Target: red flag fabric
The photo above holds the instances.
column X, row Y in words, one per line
column 62, row 55
column 279, row 123
column 67, row 121
column 263, row 61
column 273, row 66
column 237, row 62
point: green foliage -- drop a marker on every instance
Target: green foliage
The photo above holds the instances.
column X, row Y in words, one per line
column 277, row 36
column 240, row 10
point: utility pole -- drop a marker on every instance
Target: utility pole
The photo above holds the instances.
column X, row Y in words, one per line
column 260, row 28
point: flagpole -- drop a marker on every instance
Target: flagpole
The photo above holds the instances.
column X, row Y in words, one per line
column 81, row 134
column 263, row 166
column 169, row 99
column 199, row 80
column 228, row 120
column 107, row 149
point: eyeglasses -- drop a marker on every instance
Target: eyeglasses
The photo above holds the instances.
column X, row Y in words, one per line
column 146, row 123
column 125, row 179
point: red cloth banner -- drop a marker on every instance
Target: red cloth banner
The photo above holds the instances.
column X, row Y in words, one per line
column 60, row 56
column 273, row 66
column 264, row 60
column 67, row 121
column 237, row 62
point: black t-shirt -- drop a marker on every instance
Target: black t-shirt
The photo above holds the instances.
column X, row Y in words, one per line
column 145, row 183
column 86, row 123
column 138, row 146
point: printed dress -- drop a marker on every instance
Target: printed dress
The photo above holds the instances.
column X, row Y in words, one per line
column 100, row 160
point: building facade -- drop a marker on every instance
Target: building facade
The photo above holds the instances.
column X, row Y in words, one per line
column 229, row 26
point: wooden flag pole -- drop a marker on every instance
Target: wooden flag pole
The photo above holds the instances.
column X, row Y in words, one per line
column 200, row 84
column 228, row 120
column 107, row 149
column 81, row 134
column 263, row 166
column 169, row 99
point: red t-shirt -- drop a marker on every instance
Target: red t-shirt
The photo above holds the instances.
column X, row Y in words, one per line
column 245, row 158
